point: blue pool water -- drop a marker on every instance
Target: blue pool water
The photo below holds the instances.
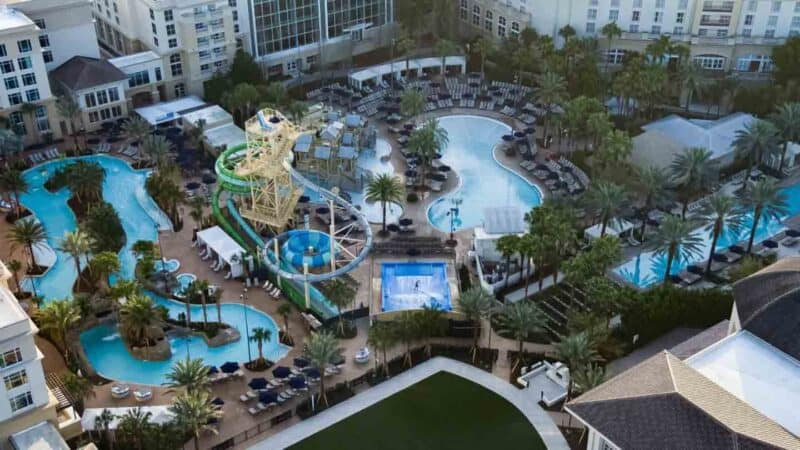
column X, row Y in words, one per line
column 483, row 181
column 414, row 285
column 123, row 188
column 648, row 268
column 170, row 265
column 109, row 357
column 296, row 246
column 184, row 280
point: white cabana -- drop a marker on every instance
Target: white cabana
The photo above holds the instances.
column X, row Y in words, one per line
column 615, row 227
column 225, row 249
column 225, row 136
column 158, row 415
column 374, row 74
column 166, row 112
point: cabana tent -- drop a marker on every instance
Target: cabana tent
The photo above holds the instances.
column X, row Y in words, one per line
column 615, row 227
column 167, row 112
column 375, row 74
column 224, row 247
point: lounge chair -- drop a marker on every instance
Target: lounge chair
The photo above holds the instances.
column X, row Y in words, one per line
column 119, row 391
column 142, row 395
column 362, row 356
column 254, row 411
column 789, row 241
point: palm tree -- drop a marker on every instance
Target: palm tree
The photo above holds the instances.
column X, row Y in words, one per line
column 721, row 213
column 260, row 335
column 576, row 351
column 58, row 318
column 69, row 109
column 296, row 111
column 552, row 91
column 607, row 201
column 196, row 207
column 103, row 265
column 676, row 238
column 787, row 121
column 610, row 30
column 426, row 142
column 429, row 324
column 285, row 310
column 77, row 244
column 444, row 48
column 566, row 32
column 692, row 75
column 156, row 148
column 758, row 139
column 507, row 245
column 615, row 148
column 588, row 377
column 323, row 347
column 194, row 412
column 521, row 319
column 29, row 234
column 695, row 171
column 191, row 374
column 242, row 99
column 385, row 188
column 407, row 331
column 137, row 316
column 200, row 288
column 412, row 103
column 102, row 422
column 340, row 295
column 482, row 47
column 765, row 199
column 78, row 388
column 136, row 424
column 12, row 181
column 404, row 48
column 15, row 266
column 136, row 128
column 196, row 135
column 475, row 304
column 653, row 183
column 382, row 337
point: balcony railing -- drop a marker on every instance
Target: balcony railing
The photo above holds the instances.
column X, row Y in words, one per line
column 715, row 22
column 718, row 6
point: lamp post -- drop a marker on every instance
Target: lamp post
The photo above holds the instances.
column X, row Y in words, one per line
column 243, row 297
column 453, row 214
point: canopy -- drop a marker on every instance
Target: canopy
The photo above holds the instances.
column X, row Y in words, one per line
column 300, row 362
column 225, row 136
column 258, row 383
column 615, row 227
column 169, row 111
column 376, row 73
column 226, row 249
column 268, row 397
column 281, row 372
column 229, row 367
column 297, row 382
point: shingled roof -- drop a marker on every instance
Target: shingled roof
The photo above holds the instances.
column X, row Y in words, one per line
column 663, row 403
column 81, row 72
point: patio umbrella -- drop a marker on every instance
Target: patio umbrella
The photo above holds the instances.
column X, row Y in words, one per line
column 792, row 233
column 405, row 222
column 192, row 185
column 393, row 227
column 212, row 370
column 412, row 252
column 323, row 210
column 312, row 373
column 301, row 362
column 281, row 372
column 438, row 177
column 257, row 383
column 209, row 179
column 443, row 168
column 229, row 367
column 769, row 243
column 552, row 176
column 737, row 249
column 298, row 382
column 218, row 401
column 408, row 126
column 410, row 173
column 719, row 257
column 303, row 199
column 268, row 397
column 519, row 134
column 467, row 95
column 695, row 269
column 530, row 130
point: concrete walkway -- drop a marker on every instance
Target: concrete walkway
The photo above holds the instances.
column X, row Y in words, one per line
column 544, row 425
column 533, row 289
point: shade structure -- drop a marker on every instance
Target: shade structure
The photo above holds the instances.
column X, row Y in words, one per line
column 229, row 367
column 769, row 243
column 218, row 401
column 268, row 397
column 212, row 370
column 405, row 221
column 281, row 372
column 312, row 373
column 298, row 382
column 301, row 362
column 792, row 233
column 257, row 383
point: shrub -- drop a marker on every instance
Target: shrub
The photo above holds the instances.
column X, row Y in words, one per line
column 103, row 224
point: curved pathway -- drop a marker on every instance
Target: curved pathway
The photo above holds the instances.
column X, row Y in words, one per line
column 527, row 404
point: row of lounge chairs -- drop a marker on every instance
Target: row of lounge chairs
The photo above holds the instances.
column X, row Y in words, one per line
column 120, row 391
column 44, row 155
column 272, row 290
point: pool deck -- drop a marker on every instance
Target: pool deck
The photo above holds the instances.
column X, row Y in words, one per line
column 552, row 437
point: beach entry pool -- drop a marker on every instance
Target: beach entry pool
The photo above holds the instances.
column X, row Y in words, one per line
column 648, row 268
column 483, row 181
column 406, row 286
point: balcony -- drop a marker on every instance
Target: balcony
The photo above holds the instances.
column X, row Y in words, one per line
column 723, row 22
column 726, row 7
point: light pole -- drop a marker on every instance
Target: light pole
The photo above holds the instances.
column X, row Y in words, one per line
column 453, row 214
column 243, row 297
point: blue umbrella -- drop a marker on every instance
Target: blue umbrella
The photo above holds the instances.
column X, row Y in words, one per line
column 301, row 362
column 212, row 370
column 297, row 382
column 218, row 401
column 229, row 367
column 281, row 372
column 268, row 397
column 313, row 373
column 257, row 383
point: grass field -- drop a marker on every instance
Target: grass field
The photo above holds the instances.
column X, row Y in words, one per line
column 443, row 412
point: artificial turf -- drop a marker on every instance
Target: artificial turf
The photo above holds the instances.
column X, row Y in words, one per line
column 442, row 412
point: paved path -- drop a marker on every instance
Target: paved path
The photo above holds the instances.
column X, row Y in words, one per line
column 519, row 294
column 544, row 425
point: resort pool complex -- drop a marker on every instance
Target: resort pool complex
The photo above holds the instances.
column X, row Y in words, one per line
column 648, row 268
column 484, row 182
column 123, row 188
column 414, row 285
column 109, row 357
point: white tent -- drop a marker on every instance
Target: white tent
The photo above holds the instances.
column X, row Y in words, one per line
column 615, row 227
column 224, row 247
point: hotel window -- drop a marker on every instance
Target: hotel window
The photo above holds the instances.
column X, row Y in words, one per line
column 102, row 97
column 487, row 23
column 3, row 50
column 795, row 22
column 153, row 27
column 24, row 46
column 14, row 99
column 202, row 41
column 590, row 27
column 172, row 43
column 12, row 356
column 772, row 21
column 703, row 31
column 680, row 17
column 18, row 125
column 116, row 111
column 514, row 28
column 635, row 16
column 138, row 78
column 113, row 94
column 637, row 3
column 152, row 14
column 40, row 23
column 769, row 34
column 90, row 101
column 168, row 15
column 15, row 379
column 501, row 26
column 660, row 4
column 11, row 82
column 105, row 114
column 658, row 17
column 463, row 10
column 752, row 5
column 476, row 15
column 157, row 70
column 6, row 66
column 615, row 56
column 28, row 79
column 722, row 33
column 232, row 3
column 747, row 32
column 677, row 31
column 205, row 67
column 797, row 7
column 634, row 28
column 94, row 117
column 44, row 41
column 748, row 19
column 175, row 65
column 24, row 63
column 656, row 29
column 32, row 95
column 776, row 6
column 170, row 29
column 613, row 15
column 180, row 90
column 710, row 62
column 21, row 401
column 204, row 54
column 155, row 41
column 591, row 14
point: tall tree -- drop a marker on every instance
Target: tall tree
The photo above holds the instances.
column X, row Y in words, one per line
column 676, row 238
column 323, row 348
column 507, row 245
column 786, row 58
column 755, row 141
column 787, row 121
column 76, row 244
column 765, row 199
column 694, row 171
column 607, row 201
column 136, row 128
column 430, row 323
column 156, row 148
column 610, row 30
column 385, row 188
column 427, row 142
column 190, row 374
column 721, row 214
column 12, row 181
column 407, row 331
column 482, row 47
column 412, row 102
column 382, row 337
column 520, row 320
column 29, row 110
column 69, row 109
column 58, row 318
column 615, row 148
column 654, row 184
column 552, row 91
column 577, row 351
column 260, row 335
column 341, row 296
column 137, row 316
column 194, row 412
column 15, row 266
column 29, row 234
column 475, row 304
column 445, row 48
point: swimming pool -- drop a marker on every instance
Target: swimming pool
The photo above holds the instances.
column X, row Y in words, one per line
column 123, row 187
column 407, row 286
column 109, row 357
column 484, row 182
column 170, row 265
column 184, row 280
column 648, row 268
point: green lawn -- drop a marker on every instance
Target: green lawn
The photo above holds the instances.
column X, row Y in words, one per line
column 443, row 412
